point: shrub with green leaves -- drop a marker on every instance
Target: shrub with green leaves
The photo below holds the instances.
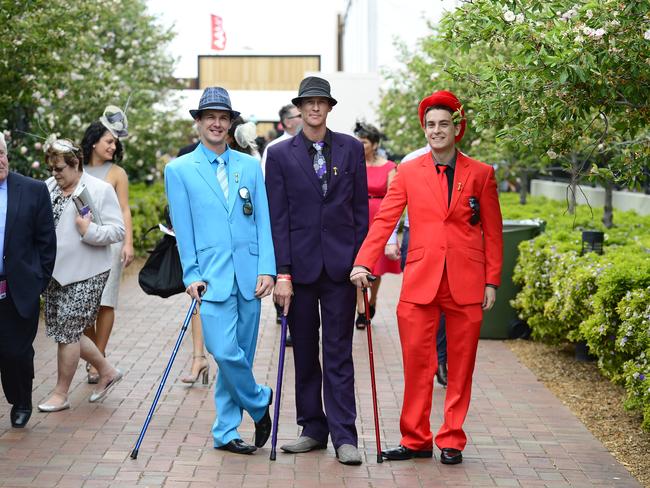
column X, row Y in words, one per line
column 601, row 299
column 147, row 209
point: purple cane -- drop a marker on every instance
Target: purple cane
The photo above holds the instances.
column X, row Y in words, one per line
column 278, row 386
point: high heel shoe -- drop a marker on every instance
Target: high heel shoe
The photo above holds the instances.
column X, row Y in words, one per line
column 203, row 372
column 361, row 321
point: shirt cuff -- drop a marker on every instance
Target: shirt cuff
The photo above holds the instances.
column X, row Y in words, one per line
column 492, row 286
column 284, row 269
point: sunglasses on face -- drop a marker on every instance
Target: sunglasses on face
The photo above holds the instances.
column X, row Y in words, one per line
column 57, row 169
column 475, row 218
column 245, row 195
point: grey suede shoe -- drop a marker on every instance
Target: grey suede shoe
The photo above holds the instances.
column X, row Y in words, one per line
column 348, row 454
column 303, row 444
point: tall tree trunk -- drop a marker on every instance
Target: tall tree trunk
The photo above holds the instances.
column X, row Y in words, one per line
column 573, row 186
column 608, row 211
column 523, row 187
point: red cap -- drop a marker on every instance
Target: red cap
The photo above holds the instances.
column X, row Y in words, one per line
column 448, row 99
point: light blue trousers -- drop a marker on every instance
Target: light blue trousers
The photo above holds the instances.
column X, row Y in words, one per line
column 230, row 333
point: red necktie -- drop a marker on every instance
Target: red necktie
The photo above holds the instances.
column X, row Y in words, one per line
column 444, row 184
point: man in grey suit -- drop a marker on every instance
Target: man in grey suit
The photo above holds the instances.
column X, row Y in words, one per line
column 28, row 250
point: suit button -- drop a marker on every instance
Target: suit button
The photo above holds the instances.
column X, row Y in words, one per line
column 443, row 248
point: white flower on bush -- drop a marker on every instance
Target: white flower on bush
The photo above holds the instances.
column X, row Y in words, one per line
column 402, row 119
column 569, row 14
column 36, row 165
column 509, row 16
column 646, row 35
column 519, row 18
column 589, row 14
column 38, row 146
column 434, row 75
column 60, row 93
column 551, row 154
column 23, row 150
column 76, row 76
column 579, row 39
column 75, row 120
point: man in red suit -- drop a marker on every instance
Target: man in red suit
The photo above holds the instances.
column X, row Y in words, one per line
column 453, row 265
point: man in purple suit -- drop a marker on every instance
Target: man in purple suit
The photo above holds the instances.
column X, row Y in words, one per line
column 318, row 200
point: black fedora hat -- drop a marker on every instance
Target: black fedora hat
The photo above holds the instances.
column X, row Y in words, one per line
column 313, row 86
column 214, row 98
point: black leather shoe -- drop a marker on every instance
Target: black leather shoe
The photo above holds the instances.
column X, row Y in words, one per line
column 441, row 374
column 402, row 453
column 451, row 456
column 263, row 427
column 237, row 446
column 372, row 311
column 20, row 416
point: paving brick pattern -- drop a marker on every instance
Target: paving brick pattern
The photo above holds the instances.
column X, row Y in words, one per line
column 519, row 434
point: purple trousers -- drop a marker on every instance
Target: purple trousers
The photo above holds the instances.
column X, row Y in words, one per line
column 332, row 304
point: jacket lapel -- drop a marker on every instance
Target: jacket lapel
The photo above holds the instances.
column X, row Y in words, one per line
column 431, row 177
column 205, row 170
column 300, row 154
column 234, row 179
column 337, row 162
column 14, row 193
column 461, row 174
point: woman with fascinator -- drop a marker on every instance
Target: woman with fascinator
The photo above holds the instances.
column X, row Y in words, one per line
column 102, row 151
column 88, row 220
column 241, row 137
column 380, row 173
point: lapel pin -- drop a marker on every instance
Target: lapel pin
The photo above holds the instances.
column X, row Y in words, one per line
column 237, row 179
column 460, row 186
column 335, row 171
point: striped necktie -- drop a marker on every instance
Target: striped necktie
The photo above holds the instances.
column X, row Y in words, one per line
column 222, row 176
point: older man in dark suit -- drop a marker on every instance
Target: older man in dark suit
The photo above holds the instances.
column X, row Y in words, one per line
column 318, row 199
column 28, row 250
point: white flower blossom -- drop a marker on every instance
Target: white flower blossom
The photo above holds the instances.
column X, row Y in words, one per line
column 23, row 150
column 589, row 14
column 579, row 39
column 646, row 35
column 36, row 165
column 60, row 93
column 519, row 18
column 434, row 75
column 509, row 16
column 551, row 154
column 38, row 146
column 402, row 119
column 76, row 76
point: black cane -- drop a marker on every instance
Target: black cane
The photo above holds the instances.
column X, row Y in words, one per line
column 188, row 317
column 372, row 368
column 278, row 386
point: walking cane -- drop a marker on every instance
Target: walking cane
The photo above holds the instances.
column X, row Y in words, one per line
column 188, row 317
column 278, row 386
column 372, row 368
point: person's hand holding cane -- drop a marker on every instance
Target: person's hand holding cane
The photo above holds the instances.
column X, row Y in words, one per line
column 283, row 292
column 359, row 277
column 196, row 289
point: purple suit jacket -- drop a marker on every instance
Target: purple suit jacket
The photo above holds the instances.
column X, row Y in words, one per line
column 312, row 231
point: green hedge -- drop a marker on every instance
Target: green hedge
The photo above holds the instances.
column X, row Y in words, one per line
column 147, row 203
column 601, row 299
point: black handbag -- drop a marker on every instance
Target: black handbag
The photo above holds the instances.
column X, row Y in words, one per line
column 162, row 273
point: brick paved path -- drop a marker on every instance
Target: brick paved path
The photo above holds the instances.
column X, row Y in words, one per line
column 519, row 433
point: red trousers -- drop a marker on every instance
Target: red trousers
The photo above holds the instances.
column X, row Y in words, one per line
column 418, row 326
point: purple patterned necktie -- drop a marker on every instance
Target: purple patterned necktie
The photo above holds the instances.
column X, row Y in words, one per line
column 320, row 165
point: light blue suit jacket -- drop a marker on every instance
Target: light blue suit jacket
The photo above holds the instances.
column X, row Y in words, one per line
column 217, row 243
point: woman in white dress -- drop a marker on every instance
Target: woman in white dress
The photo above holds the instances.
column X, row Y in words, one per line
column 102, row 149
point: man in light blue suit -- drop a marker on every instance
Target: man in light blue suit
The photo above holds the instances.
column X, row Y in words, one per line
column 219, row 211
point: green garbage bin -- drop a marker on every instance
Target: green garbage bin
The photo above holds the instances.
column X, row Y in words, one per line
column 502, row 322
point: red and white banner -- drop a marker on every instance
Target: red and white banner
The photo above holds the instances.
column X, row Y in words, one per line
column 218, row 34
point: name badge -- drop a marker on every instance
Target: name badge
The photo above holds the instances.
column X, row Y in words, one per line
column 3, row 289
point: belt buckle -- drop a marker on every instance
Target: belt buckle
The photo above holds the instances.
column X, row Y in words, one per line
column 3, row 289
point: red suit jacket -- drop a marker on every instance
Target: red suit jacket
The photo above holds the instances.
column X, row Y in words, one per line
column 473, row 253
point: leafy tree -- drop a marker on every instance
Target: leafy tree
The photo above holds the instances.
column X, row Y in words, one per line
column 550, row 84
column 62, row 62
column 575, row 79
